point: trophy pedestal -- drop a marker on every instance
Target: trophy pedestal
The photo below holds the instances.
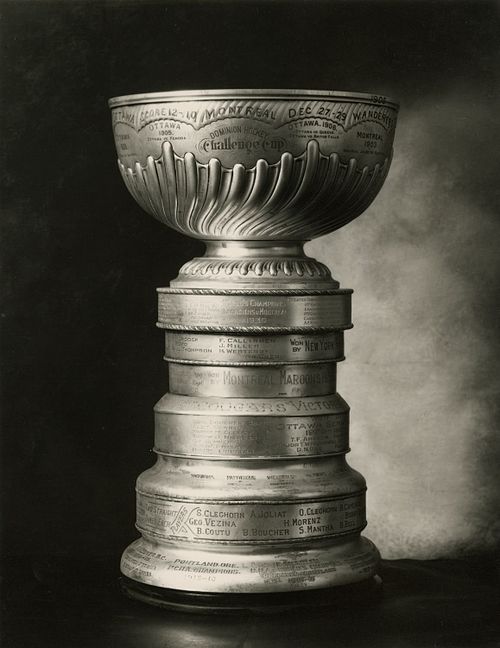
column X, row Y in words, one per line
column 251, row 499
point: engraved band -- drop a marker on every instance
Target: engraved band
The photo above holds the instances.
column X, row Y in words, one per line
column 206, row 348
column 285, row 380
column 310, row 478
column 256, row 522
column 194, row 427
column 278, row 311
column 226, row 568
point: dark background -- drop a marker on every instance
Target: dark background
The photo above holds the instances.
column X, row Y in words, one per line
column 81, row 360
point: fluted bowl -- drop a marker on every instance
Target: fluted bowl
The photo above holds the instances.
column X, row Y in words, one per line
column 254, row 164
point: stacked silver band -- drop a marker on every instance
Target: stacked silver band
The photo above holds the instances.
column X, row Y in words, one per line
column 251, row 491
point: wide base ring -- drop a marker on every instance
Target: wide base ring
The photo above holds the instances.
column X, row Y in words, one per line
column 367, row 591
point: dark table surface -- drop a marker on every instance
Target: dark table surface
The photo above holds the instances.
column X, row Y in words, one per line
column 64, row 603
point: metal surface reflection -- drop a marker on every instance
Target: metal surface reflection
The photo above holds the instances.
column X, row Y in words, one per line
column 301, row 629
column 452, row 603
column 445, row 603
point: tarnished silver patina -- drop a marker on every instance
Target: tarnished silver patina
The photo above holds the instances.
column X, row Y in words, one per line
column 251, row 491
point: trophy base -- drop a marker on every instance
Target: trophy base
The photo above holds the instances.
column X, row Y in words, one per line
column 368, row 591
column 250, row 569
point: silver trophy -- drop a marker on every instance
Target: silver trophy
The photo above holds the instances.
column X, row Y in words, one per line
column 251, row 493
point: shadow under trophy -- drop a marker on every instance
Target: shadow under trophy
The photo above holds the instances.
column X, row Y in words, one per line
column 251, row 503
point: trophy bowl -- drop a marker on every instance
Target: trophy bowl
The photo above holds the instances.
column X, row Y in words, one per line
column 254, row 164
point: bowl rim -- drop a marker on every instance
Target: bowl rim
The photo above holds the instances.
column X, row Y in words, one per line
column 238, row 93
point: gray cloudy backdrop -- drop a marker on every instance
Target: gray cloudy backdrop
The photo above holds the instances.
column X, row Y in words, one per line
column 422, row 361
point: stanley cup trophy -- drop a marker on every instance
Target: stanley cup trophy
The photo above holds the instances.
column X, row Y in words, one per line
column 251, row 502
